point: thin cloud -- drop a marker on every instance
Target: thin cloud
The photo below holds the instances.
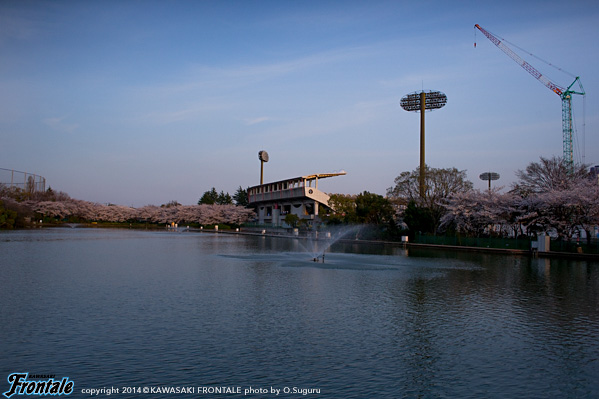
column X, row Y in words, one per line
column 214, row 84
column 254, row 121
column 58, row 124
column 206, row 78
column 267, row 70
column 183, row 112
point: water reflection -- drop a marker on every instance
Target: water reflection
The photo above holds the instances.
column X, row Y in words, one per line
column 110, row 307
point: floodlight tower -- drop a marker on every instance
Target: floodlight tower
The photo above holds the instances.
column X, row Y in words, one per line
column 263, row 157
column 421, row 102
column 489, row 176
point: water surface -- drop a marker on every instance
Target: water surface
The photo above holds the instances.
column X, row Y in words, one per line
column 114, row 308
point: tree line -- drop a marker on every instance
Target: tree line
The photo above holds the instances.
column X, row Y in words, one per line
column 212, row 197
column 549, row 197
column 18, row 206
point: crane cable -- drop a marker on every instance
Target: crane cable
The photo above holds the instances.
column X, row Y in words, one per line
column 527, row 52
column 580, row 153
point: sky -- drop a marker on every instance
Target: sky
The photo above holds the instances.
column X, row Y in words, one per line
column 146, row 102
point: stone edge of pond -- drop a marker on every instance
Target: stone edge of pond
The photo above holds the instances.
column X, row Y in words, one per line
column 518, row 252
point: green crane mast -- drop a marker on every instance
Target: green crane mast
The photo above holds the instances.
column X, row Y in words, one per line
column 564, row 93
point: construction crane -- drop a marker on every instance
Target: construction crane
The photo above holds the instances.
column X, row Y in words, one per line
column 564, row 93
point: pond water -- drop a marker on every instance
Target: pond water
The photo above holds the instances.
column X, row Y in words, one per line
column 219, row 314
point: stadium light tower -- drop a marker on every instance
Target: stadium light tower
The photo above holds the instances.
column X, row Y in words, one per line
column 489, row 176
column 263, row 157
column 421, row 102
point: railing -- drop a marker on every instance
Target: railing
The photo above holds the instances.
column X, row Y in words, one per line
column 481, row 242
column 576, row 246
column 580, row 246
column 289, row 193
column 25, row 181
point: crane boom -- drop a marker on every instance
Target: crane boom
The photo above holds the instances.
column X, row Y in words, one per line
column 565, row 94
column 529, row 68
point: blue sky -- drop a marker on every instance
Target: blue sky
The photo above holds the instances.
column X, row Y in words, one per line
column 143, row 102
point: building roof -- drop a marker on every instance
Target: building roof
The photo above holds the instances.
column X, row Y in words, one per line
column 323, row 175
column 307, row 177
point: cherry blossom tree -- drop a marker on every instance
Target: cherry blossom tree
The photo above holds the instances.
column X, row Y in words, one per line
column 587, row 206
column 85, row 210
column 555, row 199
column 563, row 212
column 478, row 212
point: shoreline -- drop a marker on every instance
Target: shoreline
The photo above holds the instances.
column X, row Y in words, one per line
column 500, row 251
column 253, row 231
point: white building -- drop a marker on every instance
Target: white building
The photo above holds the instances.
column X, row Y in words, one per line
column 595, row 173
column 298, row 196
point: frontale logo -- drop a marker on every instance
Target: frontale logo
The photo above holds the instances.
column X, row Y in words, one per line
column 20, row 385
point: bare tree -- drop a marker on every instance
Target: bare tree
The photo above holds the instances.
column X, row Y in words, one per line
column 440, row 184
column 548, row 174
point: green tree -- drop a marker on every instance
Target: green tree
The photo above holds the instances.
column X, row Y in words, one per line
column 292, row 219
column 224, row 199
column 212, row 197
column 343, row 209
column 373, row 209
column 440, row 184
column 8, row 217
column 418, row 218
column 209, row 197
column 241, row 197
